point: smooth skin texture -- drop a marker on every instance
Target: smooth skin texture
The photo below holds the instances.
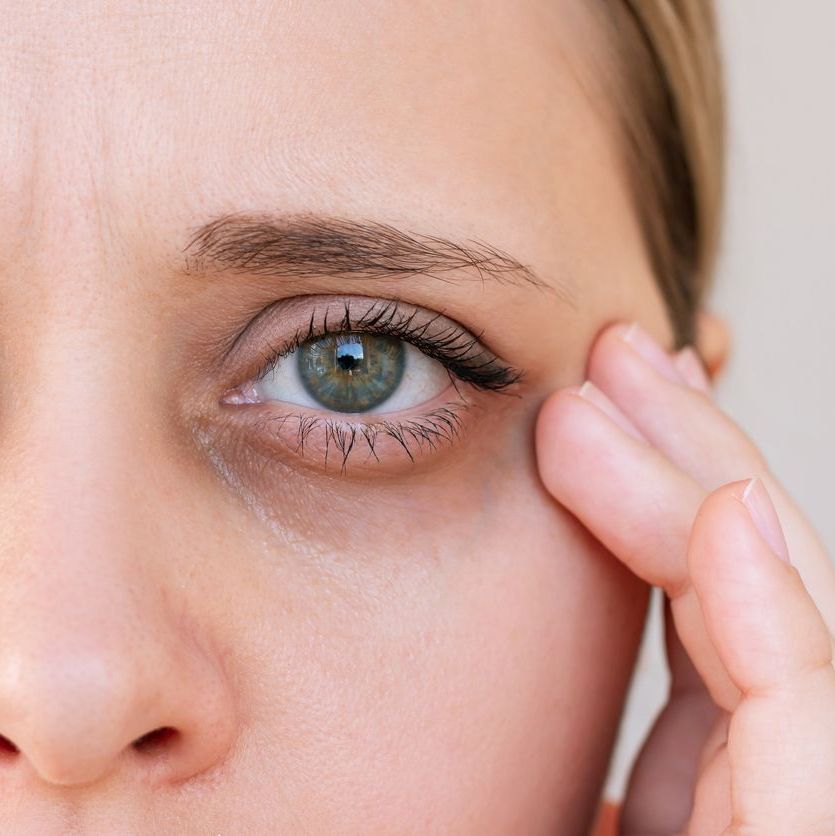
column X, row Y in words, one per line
column 746, row 743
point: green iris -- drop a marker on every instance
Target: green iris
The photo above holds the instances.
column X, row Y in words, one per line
column 351, row 372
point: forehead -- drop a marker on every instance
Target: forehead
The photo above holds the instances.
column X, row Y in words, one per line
column 481, row 117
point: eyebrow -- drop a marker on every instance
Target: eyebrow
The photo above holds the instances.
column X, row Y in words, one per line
column 307, row 245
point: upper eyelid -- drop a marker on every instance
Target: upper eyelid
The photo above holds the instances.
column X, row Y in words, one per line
column 450, row 329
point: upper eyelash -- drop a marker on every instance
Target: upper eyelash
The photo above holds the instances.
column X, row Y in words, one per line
column 460, row 352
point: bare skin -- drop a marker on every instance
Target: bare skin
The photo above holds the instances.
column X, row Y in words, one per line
column 422, row 640
column 400, row 648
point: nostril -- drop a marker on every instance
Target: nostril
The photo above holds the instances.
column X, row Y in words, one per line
column 156, row 740
column 7, row 747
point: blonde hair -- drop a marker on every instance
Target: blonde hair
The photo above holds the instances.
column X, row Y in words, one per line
column 672, row 113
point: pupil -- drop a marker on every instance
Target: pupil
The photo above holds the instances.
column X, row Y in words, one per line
column 349, row 356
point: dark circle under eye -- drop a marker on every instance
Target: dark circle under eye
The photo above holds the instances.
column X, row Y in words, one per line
column 351, row 372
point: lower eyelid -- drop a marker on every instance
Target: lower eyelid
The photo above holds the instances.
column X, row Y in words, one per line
column 385, row 443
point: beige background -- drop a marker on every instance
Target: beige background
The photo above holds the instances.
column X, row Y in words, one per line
column 776, row 281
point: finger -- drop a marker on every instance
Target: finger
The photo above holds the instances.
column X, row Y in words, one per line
column 777, row 649
column 638, row 375
column 712, row 803
column 690, row 366
column 659, row 793
column 589, row 391
column 627, row 493
column 712, row 809
column 750, row 597
column 635, row 501
column 716, row 739
column 651, row 390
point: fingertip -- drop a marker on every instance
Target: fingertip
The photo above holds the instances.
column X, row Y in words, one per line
column 608, row 407
column 545, row 416
column 692, row 369
column 764, row 516
column 552, row 415
column 724, row 541
column 573, row 435
column 550, row 421
column 746, row 505
column 757, row 610
column 631, row 354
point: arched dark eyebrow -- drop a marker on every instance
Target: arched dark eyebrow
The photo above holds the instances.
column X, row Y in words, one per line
column 309, row 245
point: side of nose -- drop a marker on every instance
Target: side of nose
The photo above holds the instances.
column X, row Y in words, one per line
column 104, row 667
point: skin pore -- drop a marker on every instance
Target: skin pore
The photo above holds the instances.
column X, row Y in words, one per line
column 428, row 643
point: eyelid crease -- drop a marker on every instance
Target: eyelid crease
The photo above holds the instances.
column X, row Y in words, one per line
column 454, row 346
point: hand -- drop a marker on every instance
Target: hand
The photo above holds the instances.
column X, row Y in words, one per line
column 648, row 463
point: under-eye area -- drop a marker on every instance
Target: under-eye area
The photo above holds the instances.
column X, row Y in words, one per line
column 352, row 377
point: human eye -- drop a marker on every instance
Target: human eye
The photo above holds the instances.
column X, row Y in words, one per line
column 368, row 379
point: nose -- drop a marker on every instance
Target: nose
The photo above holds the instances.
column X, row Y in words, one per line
column 73, row 712
column 105, row 665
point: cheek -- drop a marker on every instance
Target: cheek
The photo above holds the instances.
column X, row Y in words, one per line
column 469, row 677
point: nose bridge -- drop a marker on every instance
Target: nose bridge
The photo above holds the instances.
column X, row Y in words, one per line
column 70, row 575
column 70, row 555
column 67, row 448
column 92, row 657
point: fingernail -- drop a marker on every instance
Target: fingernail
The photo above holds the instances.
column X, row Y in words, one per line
column 652, row 352
column 690, row 366
column 765, row 518
column 596, row 396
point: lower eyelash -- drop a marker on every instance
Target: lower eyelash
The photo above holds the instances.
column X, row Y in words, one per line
column 442, row 425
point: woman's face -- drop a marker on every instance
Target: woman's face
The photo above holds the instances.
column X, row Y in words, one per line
column 207, row 624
